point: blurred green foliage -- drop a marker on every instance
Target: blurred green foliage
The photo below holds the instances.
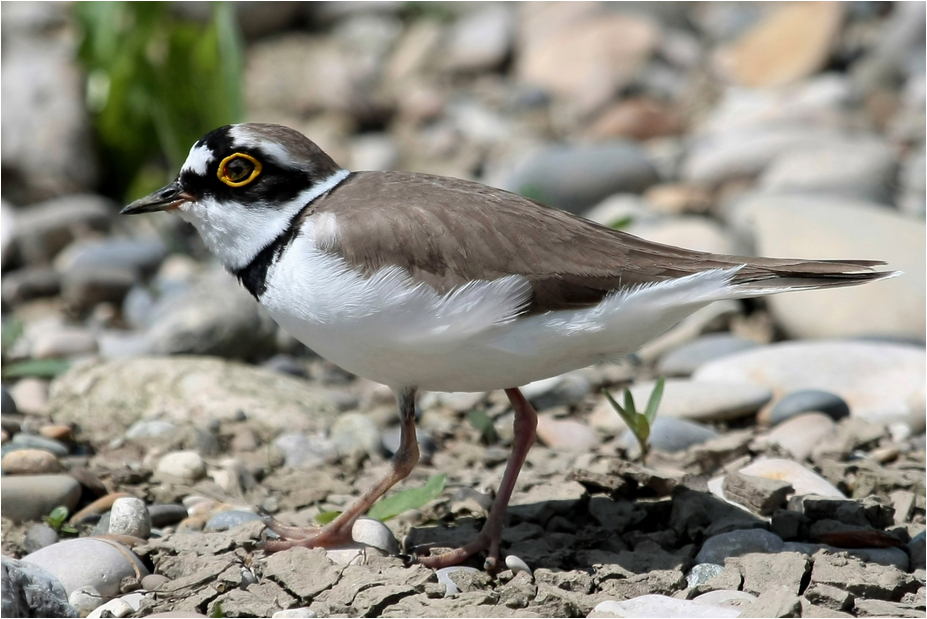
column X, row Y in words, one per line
column 155, row 84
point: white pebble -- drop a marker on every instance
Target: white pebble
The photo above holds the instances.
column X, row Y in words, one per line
column 374, row 533
column 117, row 608
column 516, row 564
column 85, row 600
column 187, row 465
column 295, row 612
column 444, row 577
column 129, row 516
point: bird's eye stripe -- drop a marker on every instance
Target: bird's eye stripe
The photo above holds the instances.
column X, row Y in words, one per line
column 223, row 172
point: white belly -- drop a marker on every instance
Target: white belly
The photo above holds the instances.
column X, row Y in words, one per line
column 393, row 331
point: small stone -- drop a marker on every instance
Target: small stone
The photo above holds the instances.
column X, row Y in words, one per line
column 295, row 613
column 119, row 607
column 759, row 494
column 785, row 571
column 62, row 433
column 882, row 608
column 671, row 435
column 481, row 40
column 44, row 229
column 223, row 521
column 566, row 434
column 39, row 536
column 866, row 580
column 355, row 433
column 660, row 606
column 803, row 480
column 805, row 401
column 716, row 549
column 30, row 497
column 129, row 516
column 374, row 533
column 30, row 283
column 186, row 465
column 30, row 462
column 799, row 435
column 687, row 358
column 702, row 573
column 30, row 395
column 302, row 451
column 85, row 600
column 84, row 287
column 517, row 565
column 89, row 562
column 30, row 591
column 66, row 342
column 151, row 582
column 916, row 551
column 143, row 255
column 829, row 597
column 704, row 400
column 776, row 602
column 33, row 441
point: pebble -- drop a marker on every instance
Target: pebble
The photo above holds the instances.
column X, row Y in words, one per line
column 815, row 226
column 564, row 390
column 30, row 462
column 129, row 516
column 800, row 435
column 481, row 40
column 444, row 577
column 141, row 254
column 803, row 480
column 302, row 451
column 374, row 533
column 805, row 401
column 30, row 395
column 874, row 379
column 916, row 550
column 355, row 433
column 703, row 400
column 566, row 434
column 39, row 536
column 31, row 497
column 57, row 432
column 29, row 283
column 152, row 581
column 661, row 606
column 84, row 287
column 223, row 521
column 296, row 613
column 516, row 564
column 724, row 597
column 46, row 228
column 186, row 465
column 65, row 342
column 102, row 564
column 30, row 591
column 286, row 364
column 99, row 506
column 85, row 600
column 688, row 231
column 702, row 573
column 575, row 178
column 145, row 429
column 8, row 403
column 33, row 441
column 735, row 543
column 671, row 435
column 687, row 358
column 119, row 607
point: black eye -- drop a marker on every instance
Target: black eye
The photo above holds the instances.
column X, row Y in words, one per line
column 238, row 169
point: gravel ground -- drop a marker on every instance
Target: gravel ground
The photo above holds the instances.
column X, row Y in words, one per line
column 787, row 471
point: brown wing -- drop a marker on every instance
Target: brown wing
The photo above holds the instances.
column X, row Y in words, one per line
column 466, row 231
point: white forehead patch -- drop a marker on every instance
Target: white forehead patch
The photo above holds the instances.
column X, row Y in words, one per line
column 241, row 138
column 198, row 160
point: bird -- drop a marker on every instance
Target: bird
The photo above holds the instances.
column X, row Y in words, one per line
column 424, row 282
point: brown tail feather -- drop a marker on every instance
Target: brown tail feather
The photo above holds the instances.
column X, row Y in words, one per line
column 770, row 274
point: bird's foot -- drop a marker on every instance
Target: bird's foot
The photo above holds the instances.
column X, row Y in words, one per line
column 307, row 537
column 454, row 557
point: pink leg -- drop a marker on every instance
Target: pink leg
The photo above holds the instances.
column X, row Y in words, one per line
column 526, row 421
column 338, row 531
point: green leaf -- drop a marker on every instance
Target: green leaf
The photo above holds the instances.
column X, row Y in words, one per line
column 482, row 422
column 57, row 517
column 654, row 403
column 217, row 611
column 629, row 402
column 630, row 420
column 39, row 368
column 413, row 498
column 621, row 223
column 326, row 517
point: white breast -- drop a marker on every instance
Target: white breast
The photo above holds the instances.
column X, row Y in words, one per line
column 391, row 330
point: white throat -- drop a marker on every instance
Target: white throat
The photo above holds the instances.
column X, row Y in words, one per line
column 236, row 233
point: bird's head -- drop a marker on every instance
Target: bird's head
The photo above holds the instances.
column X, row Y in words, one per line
column 242, row 185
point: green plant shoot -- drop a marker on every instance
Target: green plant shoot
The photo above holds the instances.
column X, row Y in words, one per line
column 639, row 423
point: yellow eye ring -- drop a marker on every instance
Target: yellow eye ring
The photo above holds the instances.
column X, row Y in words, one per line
column 221, row 173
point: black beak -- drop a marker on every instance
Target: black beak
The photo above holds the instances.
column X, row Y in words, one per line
column 165, row 199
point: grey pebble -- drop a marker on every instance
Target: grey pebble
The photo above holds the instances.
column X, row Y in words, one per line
column 702, row 573
column 141, row 254
column 30, row 591
column 85, row 600
column 86, row 286
column 671, row 434
column 186, row 465
column 687, row 358
column 285, row 364
column 223, row 521
column 355, row 433
column 916, row 551
column 153, row 581
column 303, row 451
column 166, row 514
column 30, row 283
column 33, row 441
column 39, row 536
column 808, row 400
column 30, row 497
column 735, row 543
column 516, row 564
column 374, row 533
column 89, row 562
column 150, row 428
column 129, row 516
